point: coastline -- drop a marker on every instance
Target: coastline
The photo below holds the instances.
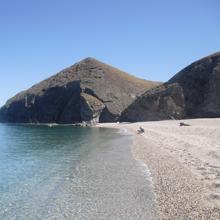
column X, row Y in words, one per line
column 183, row 162
column 93, row 175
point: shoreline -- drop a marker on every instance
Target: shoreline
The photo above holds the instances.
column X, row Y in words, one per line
column 178, row 165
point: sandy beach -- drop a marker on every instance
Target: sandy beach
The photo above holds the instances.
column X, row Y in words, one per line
column 184, row 162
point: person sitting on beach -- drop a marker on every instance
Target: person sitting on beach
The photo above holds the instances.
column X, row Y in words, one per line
column 140, row 130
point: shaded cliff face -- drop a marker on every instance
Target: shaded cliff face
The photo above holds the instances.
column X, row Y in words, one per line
column 193, row 92
column 87, row 91
column 201, row 87
column 163, row 102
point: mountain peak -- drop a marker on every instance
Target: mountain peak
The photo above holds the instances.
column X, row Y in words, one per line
column 88, row 59
column 87, row 90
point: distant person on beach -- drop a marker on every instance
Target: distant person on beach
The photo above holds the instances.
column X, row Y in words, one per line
column 140, row 130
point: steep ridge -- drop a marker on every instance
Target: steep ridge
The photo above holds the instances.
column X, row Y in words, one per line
column 87, row 91
column 194, row 92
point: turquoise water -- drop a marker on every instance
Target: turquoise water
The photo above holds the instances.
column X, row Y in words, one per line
column 67, row 172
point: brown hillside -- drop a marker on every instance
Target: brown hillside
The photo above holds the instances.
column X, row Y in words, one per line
column 58, row 98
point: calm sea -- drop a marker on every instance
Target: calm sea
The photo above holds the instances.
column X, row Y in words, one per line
column 67, row 172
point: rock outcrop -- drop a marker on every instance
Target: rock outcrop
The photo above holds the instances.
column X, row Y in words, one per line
column 91, row 108
column 163, row 102
column 192, row 93
column 87, row 91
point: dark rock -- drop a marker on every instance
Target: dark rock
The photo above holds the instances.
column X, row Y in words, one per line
column 87, row 91
column 160, row 103
column 183, row 124
column 201, row 87
column 91, row 108
column 192, row 93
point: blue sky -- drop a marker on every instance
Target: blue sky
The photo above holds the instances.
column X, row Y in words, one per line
column 152, row 39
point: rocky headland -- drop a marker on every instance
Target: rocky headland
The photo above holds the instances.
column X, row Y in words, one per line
column 89, row 91
column 194, row 92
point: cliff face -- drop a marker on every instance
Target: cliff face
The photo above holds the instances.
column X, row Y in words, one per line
column 87, row 91
column 163, row 102
column 201, row 87
column 193, row 92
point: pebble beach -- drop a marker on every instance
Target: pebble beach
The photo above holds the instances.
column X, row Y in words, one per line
column 184, row 162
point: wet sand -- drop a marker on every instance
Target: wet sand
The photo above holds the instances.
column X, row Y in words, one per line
column 184, row 163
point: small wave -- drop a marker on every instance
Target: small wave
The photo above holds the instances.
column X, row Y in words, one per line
column 124, row 131
column 144, row 169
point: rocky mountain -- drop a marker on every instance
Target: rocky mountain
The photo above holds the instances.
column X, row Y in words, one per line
column 194, row 92
column 88, row 91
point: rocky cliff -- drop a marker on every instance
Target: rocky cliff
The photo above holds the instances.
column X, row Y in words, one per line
column 87, row 91
column 192, row 93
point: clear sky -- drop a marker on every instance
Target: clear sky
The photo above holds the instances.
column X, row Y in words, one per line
column 152, row 39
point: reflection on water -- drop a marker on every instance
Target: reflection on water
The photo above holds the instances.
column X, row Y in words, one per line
column 68, row 172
